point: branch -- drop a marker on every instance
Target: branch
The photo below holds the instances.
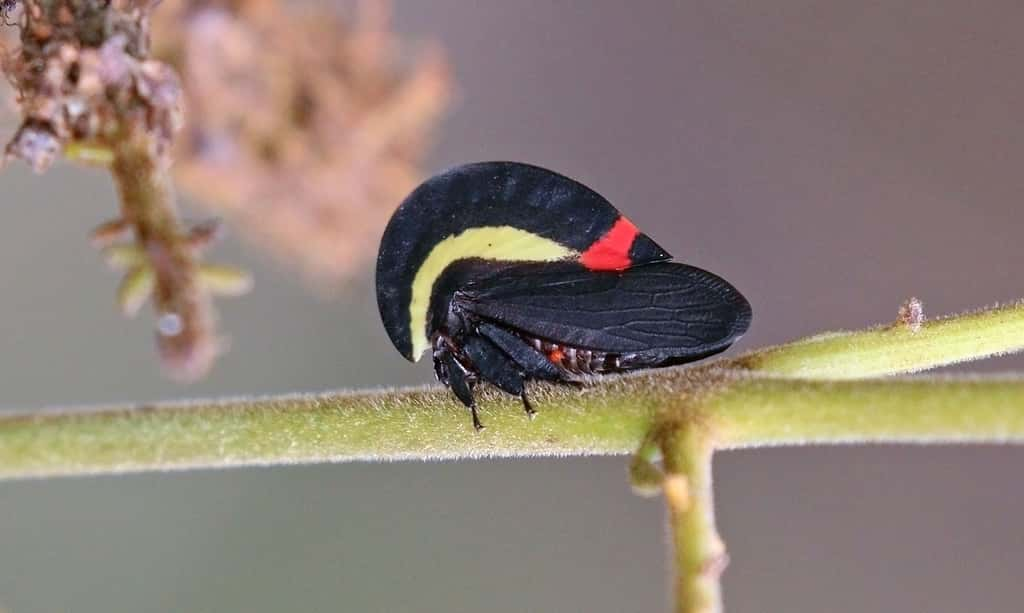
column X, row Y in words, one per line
column 741, row 411
column 743, row 408
column 902, row 347
column 700, row 553
column 185, row 335
column 771, row 412
column 410, row 424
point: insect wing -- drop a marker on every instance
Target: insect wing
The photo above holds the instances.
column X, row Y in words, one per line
column 663, row 310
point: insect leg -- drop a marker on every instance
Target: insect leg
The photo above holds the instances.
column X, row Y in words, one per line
column 533, row 363
column 460, row 381
column 440, row 369
column 497, row 368
column 527, row 405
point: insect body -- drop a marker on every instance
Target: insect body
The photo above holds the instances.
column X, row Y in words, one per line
column 508, row 273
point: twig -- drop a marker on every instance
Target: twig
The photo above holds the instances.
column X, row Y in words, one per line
column 700, row 553
column 423, row 424
column 743, row 408
column 901, row 347
column 411, row 424
column 185, row 327
column 762, row 412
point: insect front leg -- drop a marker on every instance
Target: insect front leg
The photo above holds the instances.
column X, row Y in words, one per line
column 498, row 368
column 440, row 366
column 451, row 372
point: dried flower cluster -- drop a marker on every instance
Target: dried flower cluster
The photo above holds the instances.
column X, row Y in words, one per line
column 303, row 127
column 306, row 128
column 84, row 77
column 88, row 88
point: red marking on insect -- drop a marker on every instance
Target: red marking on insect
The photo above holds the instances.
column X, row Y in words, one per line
column 611, row 251
column 556, row 356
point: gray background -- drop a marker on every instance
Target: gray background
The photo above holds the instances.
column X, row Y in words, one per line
column 830, row 159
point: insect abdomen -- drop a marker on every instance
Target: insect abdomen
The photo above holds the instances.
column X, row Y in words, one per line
column 576, row 360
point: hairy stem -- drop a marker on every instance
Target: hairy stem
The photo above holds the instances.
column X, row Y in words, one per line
column 699, row 552
column 896, row 348
column 772, row 412
column 741, row 407
column 411, row 424
column 740, row 411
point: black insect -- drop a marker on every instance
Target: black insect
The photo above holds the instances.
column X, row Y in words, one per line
column 508, row 272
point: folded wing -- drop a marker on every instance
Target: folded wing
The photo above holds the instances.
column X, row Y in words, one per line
column 663, row 311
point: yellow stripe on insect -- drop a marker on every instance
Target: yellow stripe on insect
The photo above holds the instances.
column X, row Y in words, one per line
column 498, row 243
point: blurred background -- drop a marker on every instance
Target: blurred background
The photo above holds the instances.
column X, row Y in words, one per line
column 829, row 159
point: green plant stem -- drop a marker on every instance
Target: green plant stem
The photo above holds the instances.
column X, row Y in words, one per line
column 895, row 348
column 741, row 411
column 746, row 409
column 700, row 553
column 771, row 412
column 410, row 424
